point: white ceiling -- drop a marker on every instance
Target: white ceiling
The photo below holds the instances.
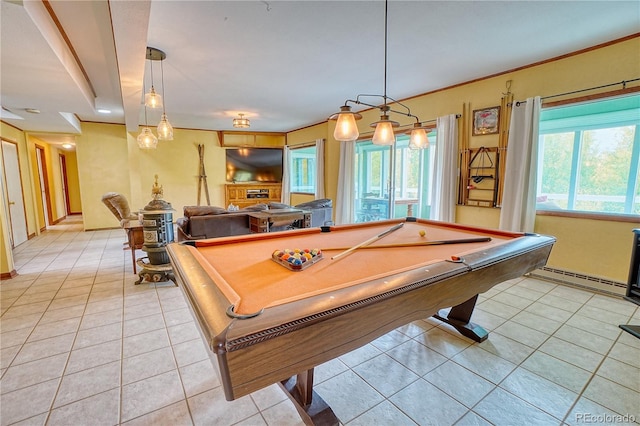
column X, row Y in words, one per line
column 284, row 64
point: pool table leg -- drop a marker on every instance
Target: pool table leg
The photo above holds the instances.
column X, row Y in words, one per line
column 459, row 317
column 312, row 408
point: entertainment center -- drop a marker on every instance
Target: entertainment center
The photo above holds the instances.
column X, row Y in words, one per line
column 248, row 194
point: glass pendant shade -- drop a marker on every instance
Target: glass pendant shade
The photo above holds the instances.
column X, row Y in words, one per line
column 418, row 139
column 384, row 134
column 152, row 99
column 346, row 128
column 165, row 130
column 146, row 139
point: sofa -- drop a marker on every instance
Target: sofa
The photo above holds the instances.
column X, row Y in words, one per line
column 201, row 222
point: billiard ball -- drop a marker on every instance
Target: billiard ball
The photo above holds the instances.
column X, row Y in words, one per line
column 422, row 233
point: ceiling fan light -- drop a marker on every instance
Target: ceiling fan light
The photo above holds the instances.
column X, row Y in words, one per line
column 152, row 99
column 165, row 130
column 146, row 139
column 346, row 128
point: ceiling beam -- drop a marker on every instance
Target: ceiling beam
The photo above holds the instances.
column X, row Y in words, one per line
column 49, row 27
column 130, row 20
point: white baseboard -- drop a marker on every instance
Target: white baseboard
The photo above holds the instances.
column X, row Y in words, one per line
column 590, row 282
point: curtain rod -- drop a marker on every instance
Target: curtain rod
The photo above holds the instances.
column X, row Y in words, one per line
column 435, row 119
column 623, row 82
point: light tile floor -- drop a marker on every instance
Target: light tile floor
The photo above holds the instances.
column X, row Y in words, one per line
column 82, row 345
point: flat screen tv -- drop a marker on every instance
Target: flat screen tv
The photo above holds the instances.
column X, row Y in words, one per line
column 254, row 165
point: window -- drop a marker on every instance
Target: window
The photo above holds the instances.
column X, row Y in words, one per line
column 588, row 157
column 411, row 180
column 303, row 169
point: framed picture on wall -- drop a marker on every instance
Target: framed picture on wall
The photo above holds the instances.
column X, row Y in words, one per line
column 486, row 121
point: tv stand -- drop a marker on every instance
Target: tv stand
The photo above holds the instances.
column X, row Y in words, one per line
column 249, row 194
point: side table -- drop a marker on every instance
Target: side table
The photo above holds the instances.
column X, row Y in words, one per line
column 135, row 239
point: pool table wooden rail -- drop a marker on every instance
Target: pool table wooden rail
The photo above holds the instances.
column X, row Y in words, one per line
column 288, row 339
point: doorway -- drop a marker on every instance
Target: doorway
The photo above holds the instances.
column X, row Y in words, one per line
column 13, row 196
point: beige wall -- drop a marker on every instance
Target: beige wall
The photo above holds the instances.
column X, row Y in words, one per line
column 109, row 160
column 73, row 182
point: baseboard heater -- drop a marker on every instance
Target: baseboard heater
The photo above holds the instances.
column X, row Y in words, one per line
column 590, row 282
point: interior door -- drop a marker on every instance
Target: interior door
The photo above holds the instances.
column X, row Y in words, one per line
column 44, row 186
column 14, row 194
column 65, row 189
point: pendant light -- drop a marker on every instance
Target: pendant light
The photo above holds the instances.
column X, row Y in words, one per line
column 146, row 139
column 384, row 134
column 153, row 99
column 165, row 130
column 418, row 136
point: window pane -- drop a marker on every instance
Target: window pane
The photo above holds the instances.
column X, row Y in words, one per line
column 555, row 167
column 605, row 159
column 588, row 158
column 303, row 169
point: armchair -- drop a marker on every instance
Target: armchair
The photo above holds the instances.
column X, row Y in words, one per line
column 119, row 206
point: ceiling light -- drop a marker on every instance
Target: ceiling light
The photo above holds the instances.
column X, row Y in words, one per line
column 154, row 100
column 146, row 139
column 346, row 128
column 104, row 111
column 32, row 110
column 5, row 113
column 384, row 134
column 241, row 122
column 418, row 138
column 67, row 146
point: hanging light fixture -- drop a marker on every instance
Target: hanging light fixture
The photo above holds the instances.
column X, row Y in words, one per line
column 153, row 99
column 418, row 138
column 384, row 134
column 241, row 122
column 165, row 130
column 146, row 139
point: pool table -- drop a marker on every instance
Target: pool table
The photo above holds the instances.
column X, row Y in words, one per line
column 268, row 324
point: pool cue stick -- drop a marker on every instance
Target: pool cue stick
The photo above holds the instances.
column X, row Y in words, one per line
column 367, row 242
column 420, row 243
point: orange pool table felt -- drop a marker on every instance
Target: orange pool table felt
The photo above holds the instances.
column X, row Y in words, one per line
column 243, row 269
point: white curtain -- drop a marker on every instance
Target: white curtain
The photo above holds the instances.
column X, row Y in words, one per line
column 285, row 196
column 445, row 170
column 319, row 169
column 344, row 204
column 518, row 210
